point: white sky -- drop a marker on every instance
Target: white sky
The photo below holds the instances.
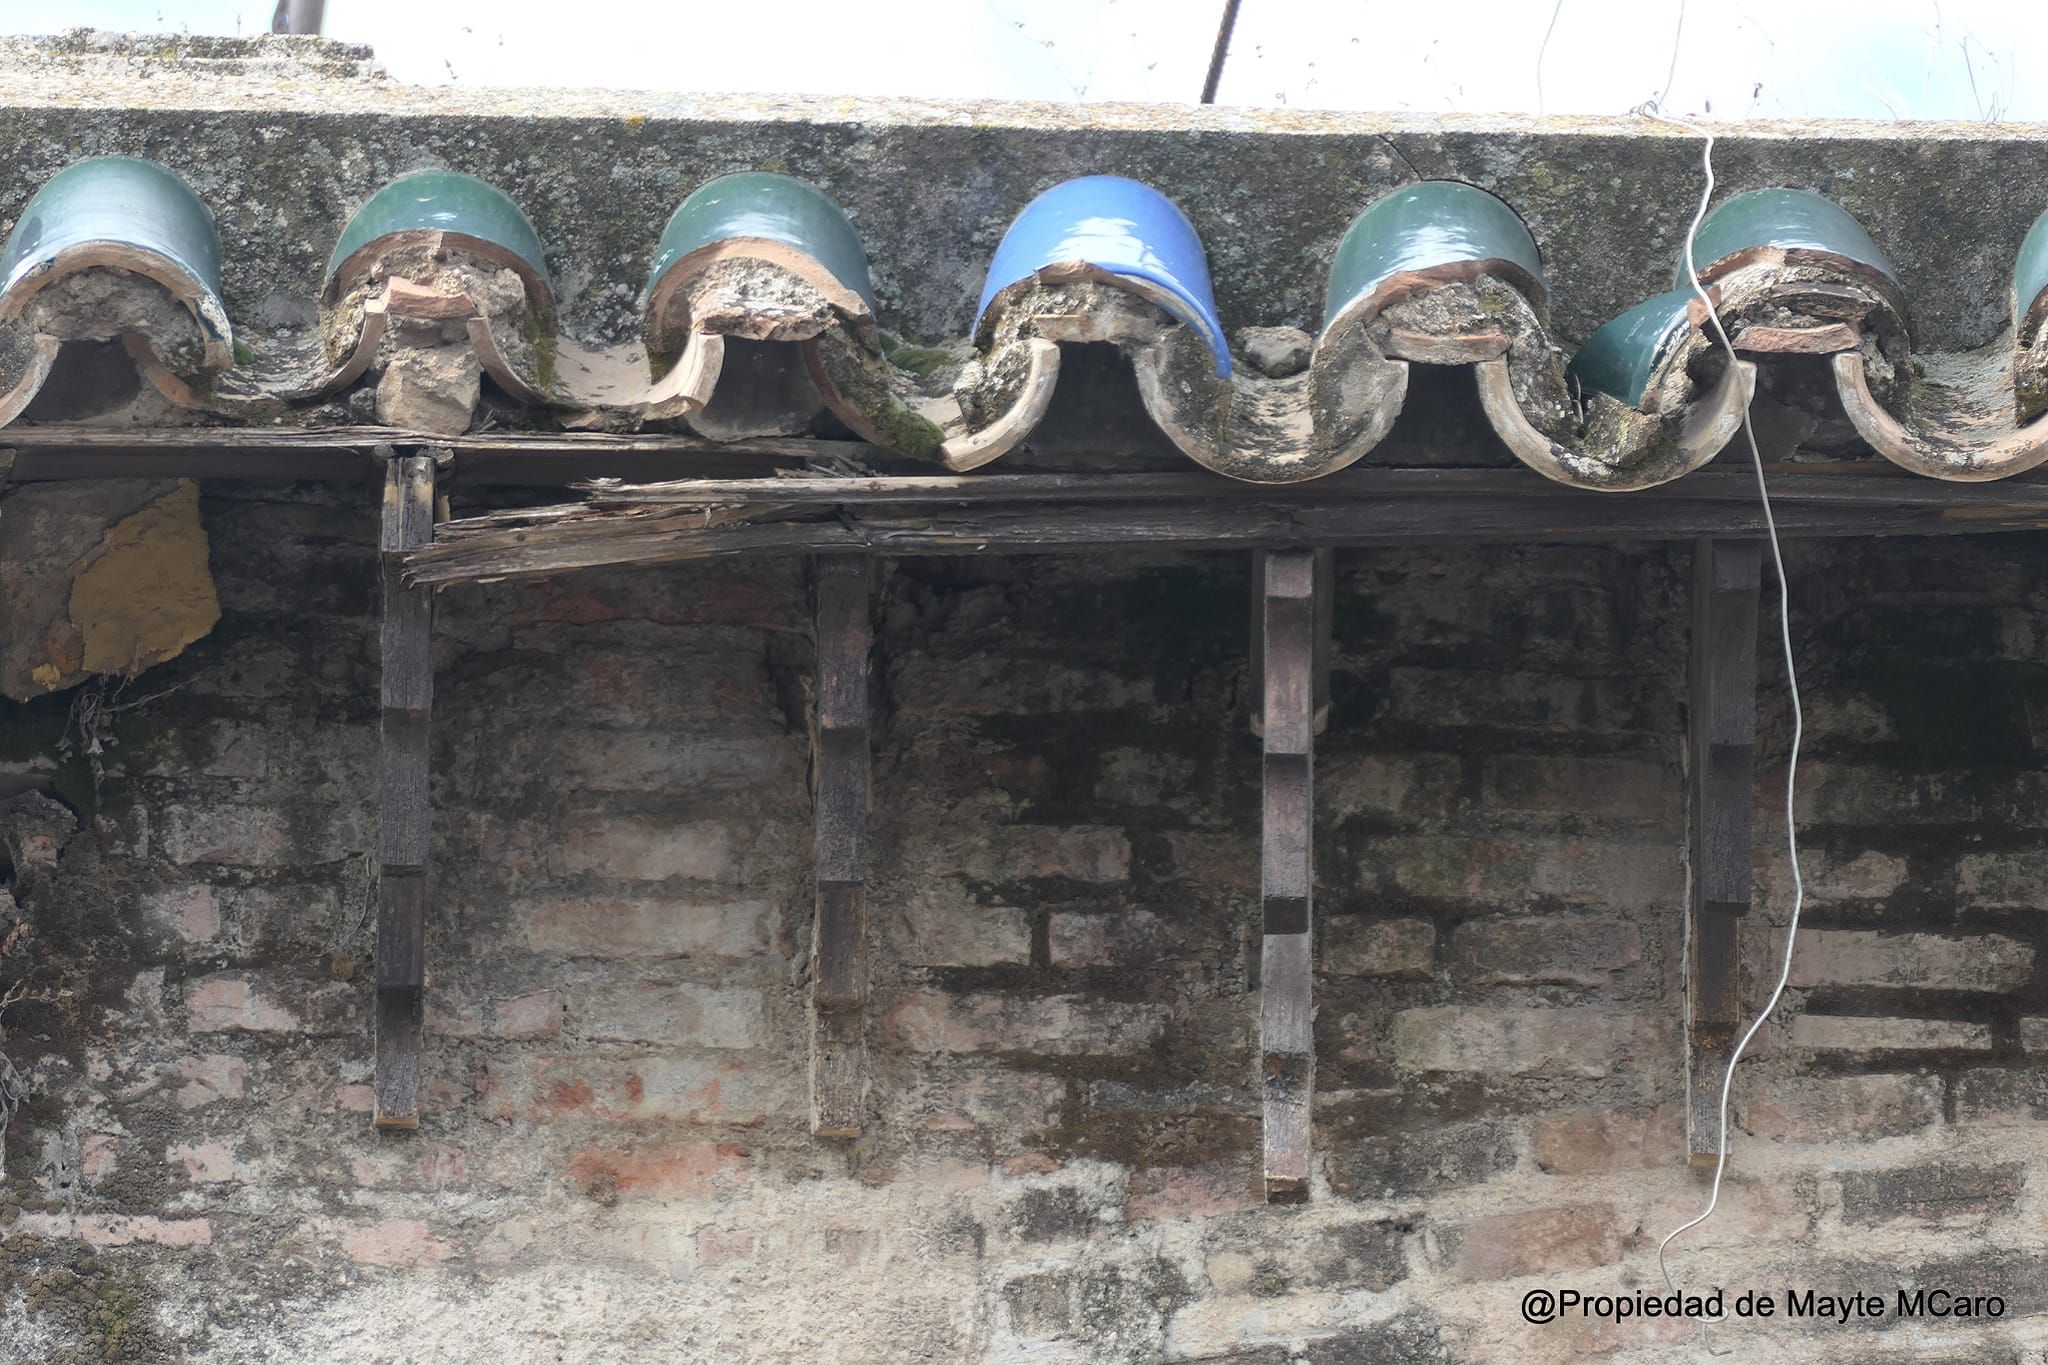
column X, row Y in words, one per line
column 1883, row 59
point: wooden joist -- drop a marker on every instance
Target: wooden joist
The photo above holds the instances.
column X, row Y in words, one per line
column 403, row 824
column 1285, row 582
column 1726, row 584
column 839, row 969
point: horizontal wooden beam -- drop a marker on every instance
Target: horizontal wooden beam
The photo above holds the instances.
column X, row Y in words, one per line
column 343, row 454
column 1026, row 514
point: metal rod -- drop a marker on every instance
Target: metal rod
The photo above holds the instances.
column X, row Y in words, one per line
column 1217, row 58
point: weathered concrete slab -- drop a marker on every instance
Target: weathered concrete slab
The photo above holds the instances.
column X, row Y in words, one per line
column 284, row 136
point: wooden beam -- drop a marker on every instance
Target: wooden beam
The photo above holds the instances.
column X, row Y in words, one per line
column 1003, row 520
column 403, row 821
column 1286, row 582
column 839, row 969
column 1726, row 585
column 1325, row 606
column 343, row 454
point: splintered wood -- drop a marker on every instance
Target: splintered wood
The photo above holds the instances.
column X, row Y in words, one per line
column 839, row 940
column 695, row 519
column 1726, row 579
column 403, row 818
column 1285, row 581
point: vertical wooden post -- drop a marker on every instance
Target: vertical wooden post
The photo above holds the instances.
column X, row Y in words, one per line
column 1287, row 658
column 1726, row 580
column 839, row 977
column 402, row 816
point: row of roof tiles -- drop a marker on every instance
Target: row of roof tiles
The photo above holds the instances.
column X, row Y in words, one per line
column 444, row 268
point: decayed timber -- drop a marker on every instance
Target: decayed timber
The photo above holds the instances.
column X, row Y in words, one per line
column 1068, row 513
column 403, row 815
column 1286, row 584
column 1726, row 577
column 840, row 767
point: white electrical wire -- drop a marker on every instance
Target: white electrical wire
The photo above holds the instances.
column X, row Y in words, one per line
column 1798, row 718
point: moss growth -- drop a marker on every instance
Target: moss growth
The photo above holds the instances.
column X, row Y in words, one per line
column 922, row 361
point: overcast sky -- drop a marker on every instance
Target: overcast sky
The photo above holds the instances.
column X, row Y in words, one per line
column 1883, row 59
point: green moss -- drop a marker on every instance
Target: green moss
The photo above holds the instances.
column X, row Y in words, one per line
column 904, row 430
column 540, row 338
column 922, row 361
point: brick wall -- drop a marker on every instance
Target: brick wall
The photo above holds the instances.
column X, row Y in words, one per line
column 615, row 1165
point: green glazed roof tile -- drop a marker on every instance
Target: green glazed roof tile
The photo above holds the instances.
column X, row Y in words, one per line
column 1783, row 218
column 777, row 208
column 443, row 201
column 1622, row 357
column 115, row 199
column 2030, row 276
column 1436, row 222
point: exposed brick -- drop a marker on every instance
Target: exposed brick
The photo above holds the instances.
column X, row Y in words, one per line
column 192, row 913
column 1511, row 874
column 1012, row 1109
column 1006, row 853
column 1356, row 946
column 1165, row 1193
column 234, row 1004
column 1576, row 950
column 116, row 1230
column 1521, row 1042
column 933, row 931
column 1040, row 1306
column 273, row 835
column 456, row 1013
column 1595, row 1141
column 1123, row 938
column 1059, row 1025
column 206, row 1162
column 688, row 1088
column 1507, row 1246
column 1871, row 1035
column 1543, row 703
column 390, row 1243
column 646, row 927
column 657, row 1171
column 1864, row 875
column 1628, row 789
column 1856, row 957
column 204, row 1079
column 1421, row 1162
column 639, row 849
column 1939, row 1192
column 984, row 685
column 1840, row 1108
column 724, row 1246
column 1998, row 1095
column 2014, row 879
column 657, row 1011
column 1419, row 787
